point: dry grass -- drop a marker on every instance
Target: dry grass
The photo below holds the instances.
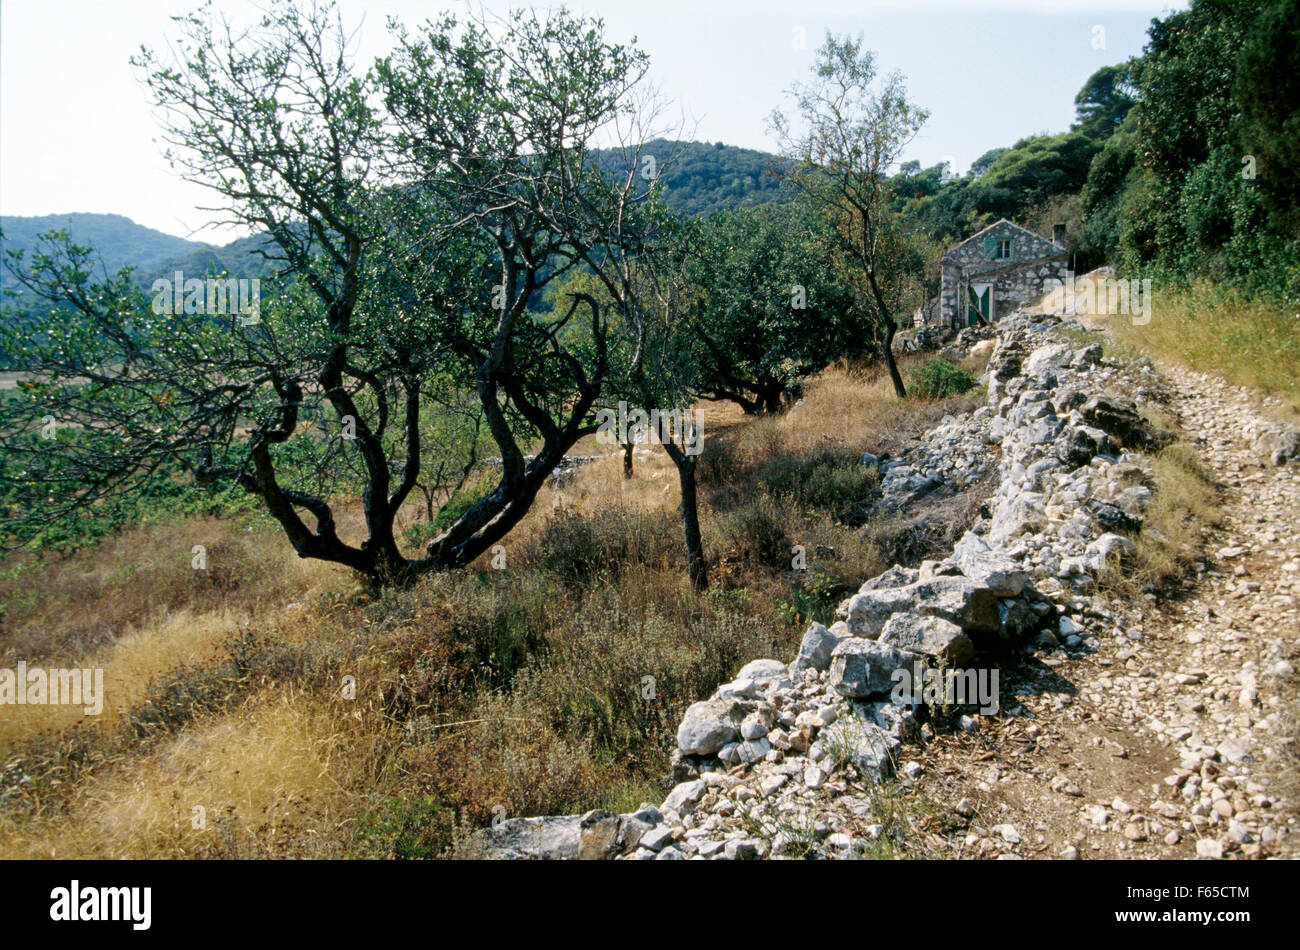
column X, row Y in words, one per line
column 130, row 665
column 258, row 782
column 1249, row 342
column 74, row 606
column 523, row 688
column 1184, row 509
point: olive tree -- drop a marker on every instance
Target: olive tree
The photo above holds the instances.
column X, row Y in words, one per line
column 853, row 127
column 414, row 212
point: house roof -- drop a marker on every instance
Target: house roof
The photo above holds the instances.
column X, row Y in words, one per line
column 1050, row 249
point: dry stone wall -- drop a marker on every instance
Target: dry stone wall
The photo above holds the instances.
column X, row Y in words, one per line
column 774, row 763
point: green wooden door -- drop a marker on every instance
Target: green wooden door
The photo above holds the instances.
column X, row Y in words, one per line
column 977, row 310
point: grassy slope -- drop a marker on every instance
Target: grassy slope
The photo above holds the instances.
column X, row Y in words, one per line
column 523, row 688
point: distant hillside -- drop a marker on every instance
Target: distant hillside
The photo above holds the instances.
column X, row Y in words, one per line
column 240, row 258
column 119, row 240
column 699, row 178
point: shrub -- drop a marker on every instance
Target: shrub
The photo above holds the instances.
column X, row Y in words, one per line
column 459, row 503
column 580, row 549
column 753, row 532
column 941, row 378
column 825, row 477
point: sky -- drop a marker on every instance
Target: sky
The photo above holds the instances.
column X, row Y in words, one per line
column 78, row 133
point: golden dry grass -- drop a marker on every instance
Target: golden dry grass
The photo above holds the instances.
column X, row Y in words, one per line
column 480, row 689
column 63, row 608
column 130, row 665
column 1249, row 342
column 1184, row 508
column 259, row 781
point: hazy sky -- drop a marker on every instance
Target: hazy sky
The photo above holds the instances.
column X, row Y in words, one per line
column 77, row 132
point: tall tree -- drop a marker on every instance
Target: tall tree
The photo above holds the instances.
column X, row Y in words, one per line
column 771, row 307
column 855, row 125
column 1104, row 101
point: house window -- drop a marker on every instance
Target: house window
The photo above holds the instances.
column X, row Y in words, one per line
column 997, row 249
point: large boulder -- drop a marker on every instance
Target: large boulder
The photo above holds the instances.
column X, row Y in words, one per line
column 1046, row 361
column 861, row 744
column 1081, row 444
column 1042, row 429
column 929, row 636
column 985, row 566
column 967, row 603
column 762, row 672
column 814, row 651
column 711, row 724
column 685, row 795
column 603, row 836
column 1119, row 417
column 1109, row 547
column 862, row 668
column 896, row 576
column 1015, row 515
column 1278, row 444
column 1112, row 517
column 549, row 838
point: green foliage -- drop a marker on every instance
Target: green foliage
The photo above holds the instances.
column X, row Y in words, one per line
column 385, row 312
column 825, row 478
column 699, row 179
column 1172, row 192
column 455, row 507
column 814, row 600
column 1032, row 171
column 1267, row 87
column 771, row 309
column 1104, row 102
column 940, row 378
column 162, row 494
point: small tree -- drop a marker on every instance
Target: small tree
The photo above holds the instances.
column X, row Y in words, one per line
column 855, row 132
column 771, row 307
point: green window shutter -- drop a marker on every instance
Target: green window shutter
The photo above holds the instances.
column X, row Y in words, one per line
column 990, row 248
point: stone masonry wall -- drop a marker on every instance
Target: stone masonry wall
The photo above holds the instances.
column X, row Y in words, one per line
column 1016, row 281
column 773, row 764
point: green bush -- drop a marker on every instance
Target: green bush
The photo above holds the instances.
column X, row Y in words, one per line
column 815, row 599
column 457, row 505
column 826, row 478
column 939, row 379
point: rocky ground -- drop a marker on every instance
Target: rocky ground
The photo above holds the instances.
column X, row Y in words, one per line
column 1171, row 740
column 1157, row 727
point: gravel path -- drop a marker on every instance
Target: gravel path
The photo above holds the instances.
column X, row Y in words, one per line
column 1171, row 740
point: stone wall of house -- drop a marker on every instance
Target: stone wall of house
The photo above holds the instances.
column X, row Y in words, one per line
column 1013, row 286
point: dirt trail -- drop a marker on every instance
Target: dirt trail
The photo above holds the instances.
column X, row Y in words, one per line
column 1171, row 740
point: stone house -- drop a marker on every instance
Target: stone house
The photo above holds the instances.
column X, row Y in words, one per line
column 997, row 271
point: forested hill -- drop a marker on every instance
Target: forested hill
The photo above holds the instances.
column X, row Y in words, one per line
column 118, row 240
column 699, row 178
